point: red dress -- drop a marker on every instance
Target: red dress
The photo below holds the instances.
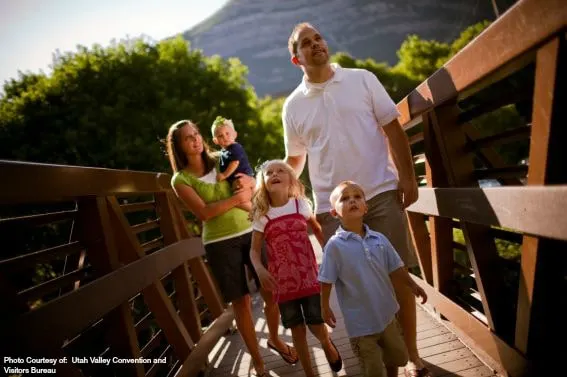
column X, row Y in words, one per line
column 291, row 259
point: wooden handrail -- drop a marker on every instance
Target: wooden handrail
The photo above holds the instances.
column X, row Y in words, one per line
column 535, row 210
column 52, row 323
column 36, row 182
column 525, row 26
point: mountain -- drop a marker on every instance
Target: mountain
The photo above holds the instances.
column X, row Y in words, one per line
column 256, row 31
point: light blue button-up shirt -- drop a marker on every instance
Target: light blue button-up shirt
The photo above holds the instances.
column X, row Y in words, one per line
column 360, row 269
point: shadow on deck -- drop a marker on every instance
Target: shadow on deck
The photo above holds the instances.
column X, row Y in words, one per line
column 443, row 352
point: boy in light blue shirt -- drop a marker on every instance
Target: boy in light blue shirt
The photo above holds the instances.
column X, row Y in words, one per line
column 363, row 265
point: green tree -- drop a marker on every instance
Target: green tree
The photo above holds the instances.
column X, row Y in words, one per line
column 420, row 58
column 467, row 36
column 396, row 83
column 109, row 107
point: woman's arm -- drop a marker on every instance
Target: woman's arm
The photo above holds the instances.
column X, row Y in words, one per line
column 243, row 180
column 205, row 211
column 245, row 206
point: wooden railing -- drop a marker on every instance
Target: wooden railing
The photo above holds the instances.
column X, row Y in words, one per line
column 116, row 274
column 100, row 262
column 510, row 310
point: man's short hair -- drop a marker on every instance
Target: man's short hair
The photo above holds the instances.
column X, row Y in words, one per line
column 292, row 42
column 338, row 189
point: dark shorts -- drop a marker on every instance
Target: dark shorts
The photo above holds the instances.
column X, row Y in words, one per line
column 306, row 310
column 228, row 260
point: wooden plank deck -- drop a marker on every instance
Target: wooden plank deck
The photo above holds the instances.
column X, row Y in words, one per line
column 442, row 351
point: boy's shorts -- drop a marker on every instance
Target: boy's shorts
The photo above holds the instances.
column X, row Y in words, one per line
column 306, row 310
column 375, row 350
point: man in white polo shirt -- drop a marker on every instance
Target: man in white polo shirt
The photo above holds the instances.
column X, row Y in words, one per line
column 346, row 122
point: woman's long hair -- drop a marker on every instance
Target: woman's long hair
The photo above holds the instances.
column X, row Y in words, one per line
column 261, row 198
column 177, row 158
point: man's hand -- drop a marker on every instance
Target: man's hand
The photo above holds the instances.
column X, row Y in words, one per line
column 328, row 316
column 220, row 177
column 401, row 154
column 419, row 292
column 407, row 188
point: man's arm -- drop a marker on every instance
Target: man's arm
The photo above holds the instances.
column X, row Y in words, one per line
column 386, row 114
column 401, row 153
column 295, row 150
column 401, row 277
column 297, row 163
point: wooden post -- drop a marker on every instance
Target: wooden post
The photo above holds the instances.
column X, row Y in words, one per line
column 185, row 297
column 97, row 236
column 154, row 295
column 542, row 297
column 440, row 229
column 422, row 242
column 451, row 140
column 200, row 271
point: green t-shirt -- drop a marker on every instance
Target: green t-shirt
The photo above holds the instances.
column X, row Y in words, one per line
column 230, row 224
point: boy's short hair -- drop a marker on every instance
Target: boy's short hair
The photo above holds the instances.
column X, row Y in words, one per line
column 292, row 41
column 337, row 191
column 221, row 122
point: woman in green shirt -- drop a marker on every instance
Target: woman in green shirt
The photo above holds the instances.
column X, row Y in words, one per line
column 227, row 232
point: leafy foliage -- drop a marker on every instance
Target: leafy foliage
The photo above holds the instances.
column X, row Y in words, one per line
column 109, row 107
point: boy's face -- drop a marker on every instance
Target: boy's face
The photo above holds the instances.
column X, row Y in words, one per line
column 350, row 204
column 224, row 136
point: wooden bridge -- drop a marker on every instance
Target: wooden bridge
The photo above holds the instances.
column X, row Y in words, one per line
column 102, row 263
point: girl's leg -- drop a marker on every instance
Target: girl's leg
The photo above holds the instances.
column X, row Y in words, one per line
column 243, row 315
column 299, row 335
column 272, row 312
column 312, row 312
column 320, row 332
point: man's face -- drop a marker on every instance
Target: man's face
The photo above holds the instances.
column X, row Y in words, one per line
column 312, row 50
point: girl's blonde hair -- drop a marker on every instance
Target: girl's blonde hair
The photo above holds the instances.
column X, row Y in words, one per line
column 261, row 198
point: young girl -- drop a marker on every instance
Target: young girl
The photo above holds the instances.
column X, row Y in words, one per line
column 281, row 212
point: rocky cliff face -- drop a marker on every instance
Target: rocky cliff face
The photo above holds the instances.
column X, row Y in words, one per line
column 256, row 31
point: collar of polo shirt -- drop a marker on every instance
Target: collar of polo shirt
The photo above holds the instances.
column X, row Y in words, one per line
column 311, row 88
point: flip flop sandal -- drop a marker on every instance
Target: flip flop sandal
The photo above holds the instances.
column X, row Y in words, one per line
column 286, row 356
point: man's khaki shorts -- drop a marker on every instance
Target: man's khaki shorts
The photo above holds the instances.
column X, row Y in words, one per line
column 385, row 215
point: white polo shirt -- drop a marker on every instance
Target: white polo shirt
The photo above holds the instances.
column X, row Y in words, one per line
column 338, row 124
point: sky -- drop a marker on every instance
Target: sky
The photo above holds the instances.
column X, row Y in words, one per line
column 31, row 30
